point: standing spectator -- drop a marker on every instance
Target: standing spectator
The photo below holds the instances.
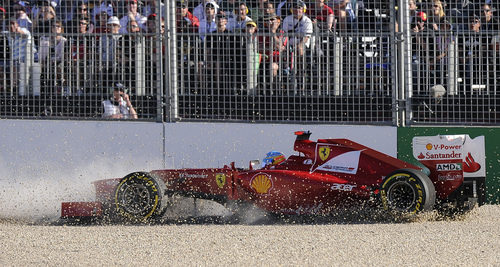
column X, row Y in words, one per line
column 54, row 57
column 81, row 45
column 341, row 9
column 22, row 17
column 186, row 21
column 82, row 12
column 4, row 52
column 208, row 24
column 45, row 18
column 321, row 15
column 21, row 49
column 111, row 53
column 488, row 21
column 101, row 20
column 257, row 12
column 200, row 10
column 133, row 55
column 253, row 57
column 470, row 53
column 119, row 106
column 272, row 44
column 301, row 28
column 239, row 22
column 439, row 44
column 107, row 6
column 153, row 8
column 132, row 13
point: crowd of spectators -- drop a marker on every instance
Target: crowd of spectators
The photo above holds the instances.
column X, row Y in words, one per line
column 86, row 46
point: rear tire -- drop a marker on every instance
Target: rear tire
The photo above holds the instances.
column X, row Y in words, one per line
column 407, row 191
column 139, row 197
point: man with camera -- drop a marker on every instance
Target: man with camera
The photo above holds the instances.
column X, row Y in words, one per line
column 119, row 107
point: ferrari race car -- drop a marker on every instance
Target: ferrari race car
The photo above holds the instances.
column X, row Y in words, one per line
column 326, row 175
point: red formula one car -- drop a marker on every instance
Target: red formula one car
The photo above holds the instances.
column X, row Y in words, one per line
column 325, row 175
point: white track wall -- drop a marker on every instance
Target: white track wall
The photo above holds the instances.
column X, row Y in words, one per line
column 43, row 163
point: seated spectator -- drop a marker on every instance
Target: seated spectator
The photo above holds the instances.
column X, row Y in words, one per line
column 239, row 22
column 132, row 14
column 119, row 106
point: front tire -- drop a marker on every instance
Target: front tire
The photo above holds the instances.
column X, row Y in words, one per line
column 407, row 191
column 139, row 197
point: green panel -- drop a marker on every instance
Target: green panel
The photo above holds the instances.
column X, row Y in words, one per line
column 492, row 143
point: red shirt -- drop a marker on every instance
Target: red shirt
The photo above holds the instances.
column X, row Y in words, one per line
column 321, row 14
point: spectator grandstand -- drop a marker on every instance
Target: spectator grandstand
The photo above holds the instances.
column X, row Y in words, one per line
column 361, row 62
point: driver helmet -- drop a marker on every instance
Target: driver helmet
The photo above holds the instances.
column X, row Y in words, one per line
column 273, row 158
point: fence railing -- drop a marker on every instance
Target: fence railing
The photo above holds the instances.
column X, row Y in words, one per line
column 372, row 67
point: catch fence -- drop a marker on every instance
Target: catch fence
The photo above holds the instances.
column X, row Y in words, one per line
column 377, row 63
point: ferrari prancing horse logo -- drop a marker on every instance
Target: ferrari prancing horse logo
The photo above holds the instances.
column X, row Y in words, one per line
column 220, row 179
column 324, row 152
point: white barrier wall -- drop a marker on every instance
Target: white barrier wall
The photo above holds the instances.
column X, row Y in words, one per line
column 43, row 163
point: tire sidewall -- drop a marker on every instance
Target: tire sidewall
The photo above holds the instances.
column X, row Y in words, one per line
column 154, row 190
column 413, row 181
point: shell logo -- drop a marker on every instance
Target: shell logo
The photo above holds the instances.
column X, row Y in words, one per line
column 261, row 183
column 428, row 146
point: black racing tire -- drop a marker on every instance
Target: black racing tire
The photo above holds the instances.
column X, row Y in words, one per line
column 140, row 197
column 407, row 191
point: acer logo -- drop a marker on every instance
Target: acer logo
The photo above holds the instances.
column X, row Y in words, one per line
column 343, row 187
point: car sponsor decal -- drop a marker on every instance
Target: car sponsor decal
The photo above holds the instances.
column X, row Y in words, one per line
column 448, row 167
column 220, row 179
column 261, row 183
column 192, row 176
column 324, row 152
column 461, row 149
column 343, row 187
column 344, row 163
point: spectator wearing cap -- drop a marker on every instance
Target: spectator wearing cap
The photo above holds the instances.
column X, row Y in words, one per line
column 239, row 22
column 111, row 52
column 272, row 44
column 185, row 20
column 200, row 10
column 119, row 106
column 132, row 13
column 208, row 24
column 301, row 26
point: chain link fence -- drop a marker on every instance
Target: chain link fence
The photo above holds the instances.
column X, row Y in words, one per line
column 358, row 62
